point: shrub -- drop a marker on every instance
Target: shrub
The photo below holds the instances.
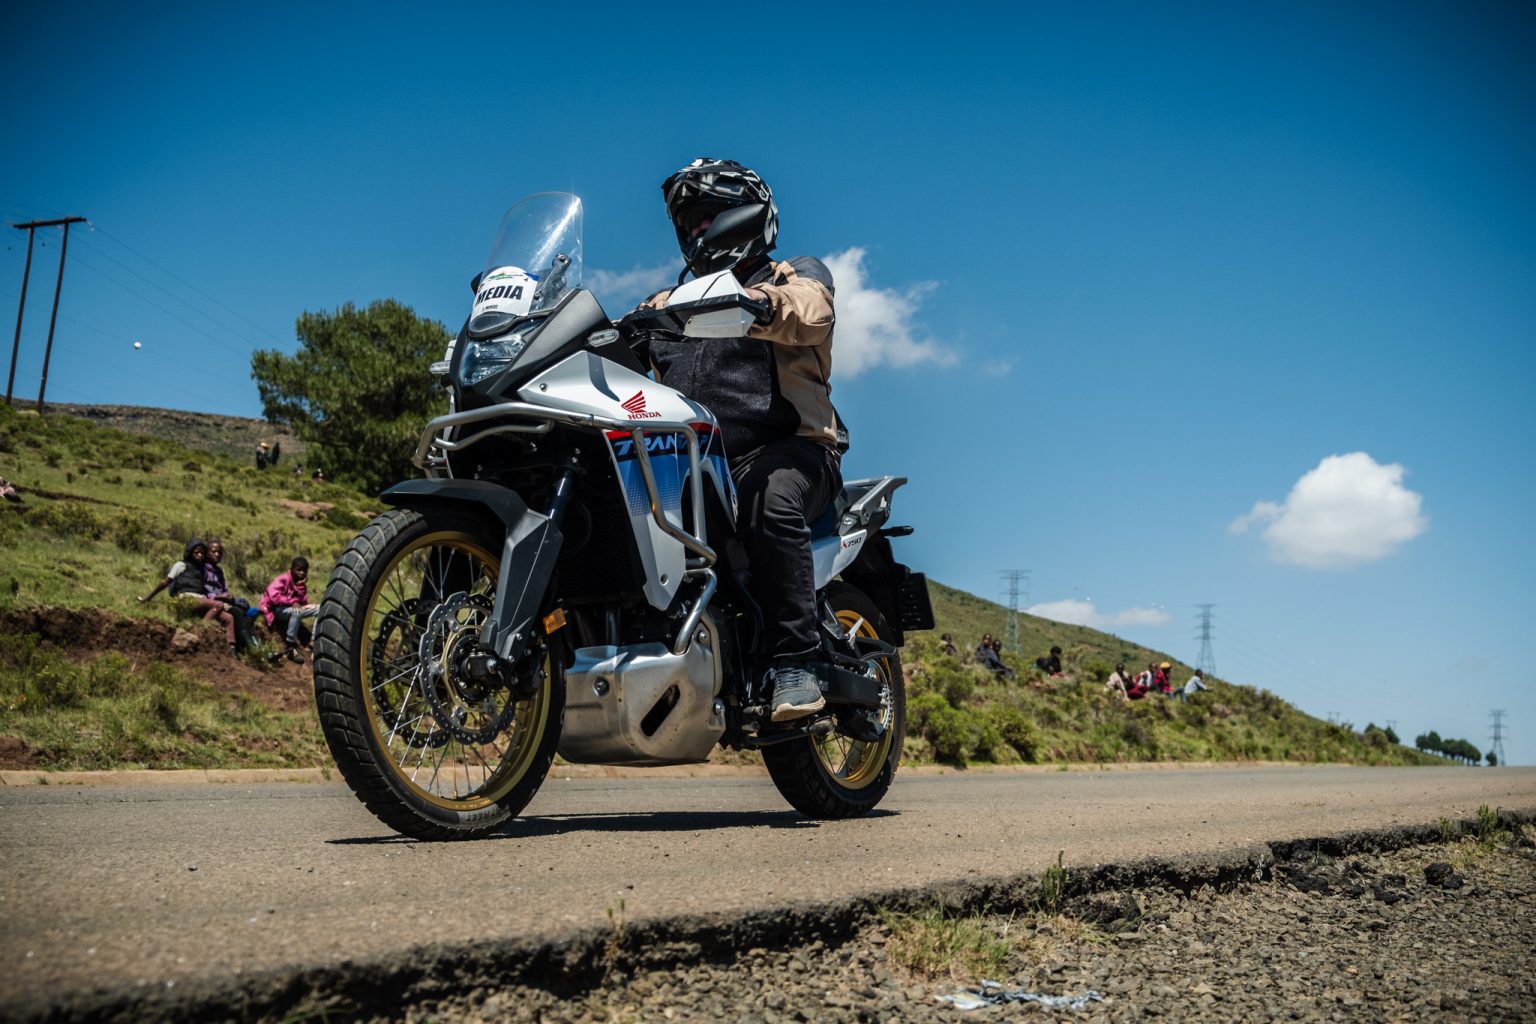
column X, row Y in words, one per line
column 955, row 683
column 990, row 745
column 1140, row 737
column 69, row 519
column 1016, row 729
column 952, row 732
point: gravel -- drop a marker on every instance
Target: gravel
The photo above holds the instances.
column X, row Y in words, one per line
column 1437, row 932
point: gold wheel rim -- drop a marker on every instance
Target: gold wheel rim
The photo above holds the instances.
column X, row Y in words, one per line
column 421, row 754
column 856, row 763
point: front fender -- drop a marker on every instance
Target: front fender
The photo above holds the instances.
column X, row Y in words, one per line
column 531, row 546
column 502, row 502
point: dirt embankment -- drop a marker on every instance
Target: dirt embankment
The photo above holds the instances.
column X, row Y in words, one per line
column 197, row 647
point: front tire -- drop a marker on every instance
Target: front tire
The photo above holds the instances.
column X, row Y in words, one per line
column 833, row 775
column 429, row 753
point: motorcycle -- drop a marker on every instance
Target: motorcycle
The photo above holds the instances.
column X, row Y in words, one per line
column 567, row 577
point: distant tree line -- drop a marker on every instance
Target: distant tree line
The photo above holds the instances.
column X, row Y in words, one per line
column 1457, row 750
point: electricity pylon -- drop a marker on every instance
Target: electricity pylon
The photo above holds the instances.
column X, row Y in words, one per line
column 1011, row 632
column 1497, row 750
column 1206, row 663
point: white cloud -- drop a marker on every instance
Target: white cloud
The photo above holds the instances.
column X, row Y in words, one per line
column 1083, row 613
column 877, row 326
column 1349, row 510
column 622, row 290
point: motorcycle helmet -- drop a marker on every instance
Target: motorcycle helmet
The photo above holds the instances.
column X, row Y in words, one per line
column 707, row 188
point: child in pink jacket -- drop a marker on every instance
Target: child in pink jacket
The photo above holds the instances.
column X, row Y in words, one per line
column 286, row 605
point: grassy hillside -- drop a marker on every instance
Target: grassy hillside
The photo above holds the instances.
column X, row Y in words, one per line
column 107, row 510
column 234, row 436
column 960, row 712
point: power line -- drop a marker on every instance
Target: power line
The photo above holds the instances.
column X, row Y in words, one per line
column 152, row 354
column 105, row 234
column 166, row 291
column 1206, row 663
column 179, row 319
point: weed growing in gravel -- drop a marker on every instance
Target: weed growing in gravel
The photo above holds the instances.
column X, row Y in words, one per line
column 934, row 943
column 1489, row 830
column 1053, row 882
column 1450, row 830
column 613, row 946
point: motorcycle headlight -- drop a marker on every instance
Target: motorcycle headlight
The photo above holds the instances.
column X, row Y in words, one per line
column 483, row 359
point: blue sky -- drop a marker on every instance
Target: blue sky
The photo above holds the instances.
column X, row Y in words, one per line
column 1110, row 276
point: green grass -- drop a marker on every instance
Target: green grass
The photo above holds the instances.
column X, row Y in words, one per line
column 108, row 511
column 936, row 943
column 106, row 714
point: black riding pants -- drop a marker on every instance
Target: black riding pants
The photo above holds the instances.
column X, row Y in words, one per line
column 781, row 488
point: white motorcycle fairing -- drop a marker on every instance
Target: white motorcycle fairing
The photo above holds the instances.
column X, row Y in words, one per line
column 587, row 383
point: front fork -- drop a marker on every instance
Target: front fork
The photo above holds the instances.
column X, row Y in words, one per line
column 528, row 557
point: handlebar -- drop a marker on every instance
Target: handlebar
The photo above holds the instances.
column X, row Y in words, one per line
column 674, row 318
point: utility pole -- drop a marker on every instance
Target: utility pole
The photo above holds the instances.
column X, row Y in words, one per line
column 1011, row 633
column 1206, row 663
column 1497, row 750
column 31, row 227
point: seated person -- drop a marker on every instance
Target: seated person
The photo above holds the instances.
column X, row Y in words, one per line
column 217, row 588
column 286, row 606
column 187, row 581
column 1116, row 683
column 986, row 655
column 1143, row 684
column 1194, row 686
column 947, row 645
column 1050, row 664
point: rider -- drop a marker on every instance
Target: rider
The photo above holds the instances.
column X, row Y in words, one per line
column 771, row 393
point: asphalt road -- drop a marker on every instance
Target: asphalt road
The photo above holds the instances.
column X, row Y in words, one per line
column 107, row 886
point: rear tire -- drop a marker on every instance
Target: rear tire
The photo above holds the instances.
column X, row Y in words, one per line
column 408, row 576
column 836, row 776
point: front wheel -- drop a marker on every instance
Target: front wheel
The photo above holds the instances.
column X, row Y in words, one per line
column 430, row 751
column 835, row 775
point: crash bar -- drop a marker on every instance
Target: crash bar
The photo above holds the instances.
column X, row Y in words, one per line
column 699, row 545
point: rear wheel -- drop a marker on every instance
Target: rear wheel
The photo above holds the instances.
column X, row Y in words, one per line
column 430, row 751
column 835, row 775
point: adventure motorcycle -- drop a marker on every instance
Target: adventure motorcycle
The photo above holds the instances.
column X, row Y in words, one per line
column 567, row 577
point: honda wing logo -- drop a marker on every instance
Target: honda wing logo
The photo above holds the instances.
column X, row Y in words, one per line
column 635, row 406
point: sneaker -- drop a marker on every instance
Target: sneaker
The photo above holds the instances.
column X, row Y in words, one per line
column 293, row 655
column 796, row 693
